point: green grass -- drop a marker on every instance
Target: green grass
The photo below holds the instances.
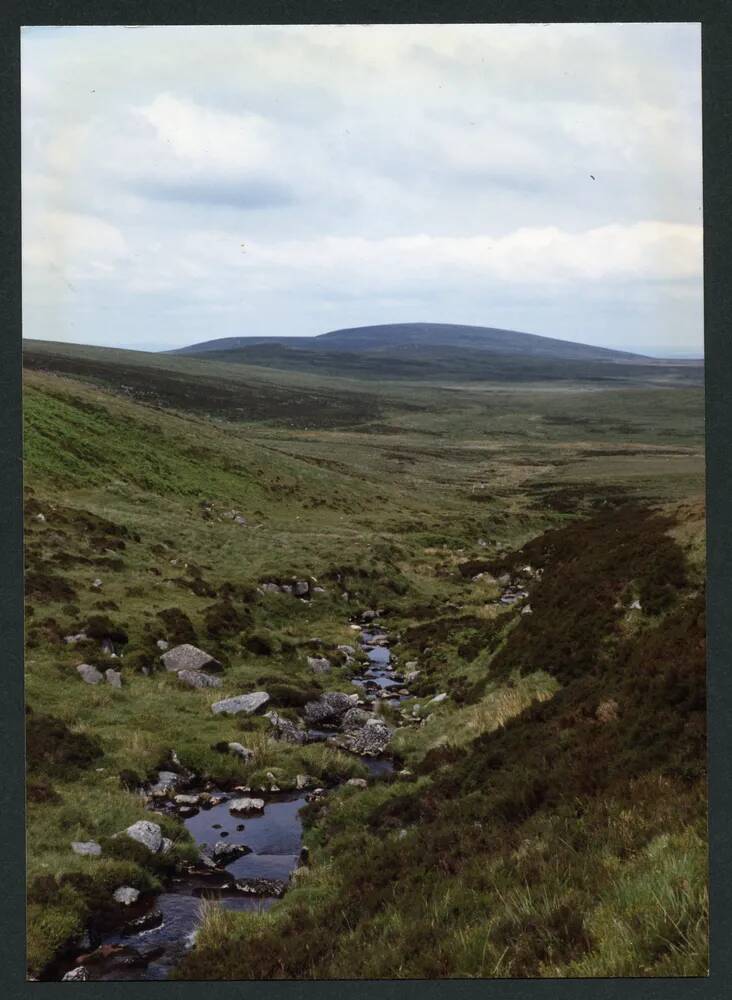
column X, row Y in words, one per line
column 532, row 841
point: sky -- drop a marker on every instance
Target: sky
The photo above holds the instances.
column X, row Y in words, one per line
column 187, row 183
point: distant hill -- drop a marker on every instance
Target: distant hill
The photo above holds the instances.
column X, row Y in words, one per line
column 408, row 337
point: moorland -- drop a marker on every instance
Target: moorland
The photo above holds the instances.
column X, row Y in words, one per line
column 523, row 793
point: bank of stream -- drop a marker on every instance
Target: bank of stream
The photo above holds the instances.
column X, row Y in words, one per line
column 263, row 850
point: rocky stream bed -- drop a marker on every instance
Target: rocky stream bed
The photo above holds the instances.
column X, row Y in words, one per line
column 249, row 840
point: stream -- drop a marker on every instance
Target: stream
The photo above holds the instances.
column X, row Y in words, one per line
column 166, row 924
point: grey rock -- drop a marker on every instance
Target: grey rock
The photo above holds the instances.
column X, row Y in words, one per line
column 97, row 584
column 330, row 707
column 286, row 588
column 369, row 741
column 262, row 886
column 224, row 853
column 438, row 699
column 348, row 650
column 319, row 664
column 285, row 730
column 355, row 718
column 87, row 848
column 41, row 518
column 303, row 781
column 71, row 640
column 114, row 677
column 166, row 845
column 247, row 703
column 241, row 751
column 188, row 657
column 246, row 805
column 107, row 647
column 89, row 674
column 358, row 783
column 126, row 895
column 187, row 800
column 77, row 975
column 162, row 644
column 167, row 781
column 301, row 588
column 198, row 679
column 146, row 833
column 270, row 588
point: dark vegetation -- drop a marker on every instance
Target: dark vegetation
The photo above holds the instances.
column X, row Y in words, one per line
column 601, row 769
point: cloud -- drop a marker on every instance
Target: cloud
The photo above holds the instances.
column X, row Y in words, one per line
column 289, row 178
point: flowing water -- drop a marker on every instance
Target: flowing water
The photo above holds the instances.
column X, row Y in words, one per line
column 274, row 839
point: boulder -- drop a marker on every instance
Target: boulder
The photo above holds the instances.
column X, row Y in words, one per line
column 247, row 703
column 187, row 800
column 285, row 730
column 188, row 657
column 246, row 805
column 358, row 783
column 77, row 975
column 162, row 645
column 369, row 741
column 87, row 848
column 114, row 677
column 197, row 679
column 224, row 853
column 348, row 650
column 146, row 833
column 89, row 674
column 167, row 781
column 241, row 751
column 330, row 707
column 126, row 895
column 319, row 664
column 262, row 886
column 301, row 588
column 355, row 718
column 270, row 588
column 303, row 781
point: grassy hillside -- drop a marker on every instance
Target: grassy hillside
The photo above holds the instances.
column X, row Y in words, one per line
column 554, row 820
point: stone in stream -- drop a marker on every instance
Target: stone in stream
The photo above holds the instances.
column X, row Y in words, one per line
column 285, row 730
column 188, row 657
column 77, row 975
column 330, row 707
column 262, row 886
column 167, row 781
column 146, row 833
column 247, row 703
column 369, row 741
column 126, row 895
column 197, row 679
column 154, row 918
column 87, row 848
column 355, row 718
column 223, row 853
column 319, row 664
column 89, row 674
column 187, row 800
column 246, row 805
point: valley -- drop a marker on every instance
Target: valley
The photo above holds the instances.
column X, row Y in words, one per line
column 514, row 546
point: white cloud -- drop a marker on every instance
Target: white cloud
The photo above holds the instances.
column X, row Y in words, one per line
column 287, row 177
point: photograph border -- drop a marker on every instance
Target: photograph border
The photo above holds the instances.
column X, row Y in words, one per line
column 716, row 20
